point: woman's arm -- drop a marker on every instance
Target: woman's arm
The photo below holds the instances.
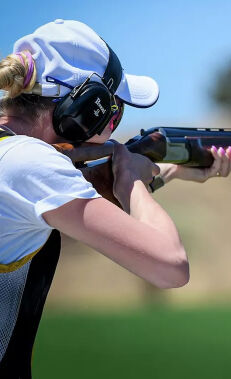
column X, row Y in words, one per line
column 145, row 242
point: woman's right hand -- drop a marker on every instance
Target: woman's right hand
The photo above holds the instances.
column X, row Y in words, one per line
column 128, row 167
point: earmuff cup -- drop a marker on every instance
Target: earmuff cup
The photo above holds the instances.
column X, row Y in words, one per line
column 87, row 109
column 78, row 119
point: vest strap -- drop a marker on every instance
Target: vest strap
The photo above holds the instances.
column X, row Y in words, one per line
column 5, row 133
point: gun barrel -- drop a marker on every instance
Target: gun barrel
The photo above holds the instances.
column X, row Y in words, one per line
column 168, row 131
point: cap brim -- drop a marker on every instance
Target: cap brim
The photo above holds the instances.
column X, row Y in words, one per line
column 138, row 91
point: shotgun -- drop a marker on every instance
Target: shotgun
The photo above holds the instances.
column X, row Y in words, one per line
column 184, row 146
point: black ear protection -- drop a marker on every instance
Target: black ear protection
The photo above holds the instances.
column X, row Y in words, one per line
column 88, row 108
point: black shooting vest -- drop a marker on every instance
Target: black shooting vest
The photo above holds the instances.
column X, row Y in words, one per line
column 23, row 293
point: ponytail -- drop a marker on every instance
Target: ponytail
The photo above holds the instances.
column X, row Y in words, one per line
column 17, row 74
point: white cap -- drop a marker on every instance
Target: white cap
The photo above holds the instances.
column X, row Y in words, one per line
column 70, row 51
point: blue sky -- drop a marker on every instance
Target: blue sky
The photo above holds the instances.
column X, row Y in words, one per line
column 180, row 43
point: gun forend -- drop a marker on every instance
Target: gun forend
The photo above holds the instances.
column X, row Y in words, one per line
column 187, row 146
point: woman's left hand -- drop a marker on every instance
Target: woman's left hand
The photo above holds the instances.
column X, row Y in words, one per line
column 221, row 167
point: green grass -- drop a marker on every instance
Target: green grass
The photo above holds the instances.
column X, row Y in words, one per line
column 153, row 343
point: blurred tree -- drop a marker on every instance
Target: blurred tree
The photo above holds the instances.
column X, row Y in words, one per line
column 221, row 91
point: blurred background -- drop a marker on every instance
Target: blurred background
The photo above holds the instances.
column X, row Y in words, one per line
column 101, row 321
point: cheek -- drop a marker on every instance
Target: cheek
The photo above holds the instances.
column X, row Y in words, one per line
column 103, row 137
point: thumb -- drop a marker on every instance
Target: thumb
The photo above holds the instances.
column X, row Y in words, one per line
column 155, row 169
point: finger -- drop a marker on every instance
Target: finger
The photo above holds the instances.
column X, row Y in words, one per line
column 155, row 169
column 228, row 155
column 225, row 163
column 118, row 148
column 115, row 152
column 216, row 166
column 228, row 152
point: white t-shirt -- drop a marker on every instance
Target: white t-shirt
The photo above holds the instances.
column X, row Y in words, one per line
column 34, row 178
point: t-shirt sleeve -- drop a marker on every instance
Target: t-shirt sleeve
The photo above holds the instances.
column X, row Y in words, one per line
column 42, row 179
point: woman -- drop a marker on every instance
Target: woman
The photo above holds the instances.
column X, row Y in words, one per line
column 51, row 95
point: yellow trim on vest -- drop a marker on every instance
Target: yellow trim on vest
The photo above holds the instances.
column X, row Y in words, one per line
column 1, row 138
column 16, row 265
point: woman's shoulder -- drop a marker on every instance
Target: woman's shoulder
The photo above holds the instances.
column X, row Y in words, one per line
column 26, row 147
column 16, row 141
column 20, row 154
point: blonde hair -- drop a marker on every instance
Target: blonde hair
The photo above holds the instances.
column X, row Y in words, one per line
column 13, row 73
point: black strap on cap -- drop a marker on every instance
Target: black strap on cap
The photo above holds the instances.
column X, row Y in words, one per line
column 113, row 73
